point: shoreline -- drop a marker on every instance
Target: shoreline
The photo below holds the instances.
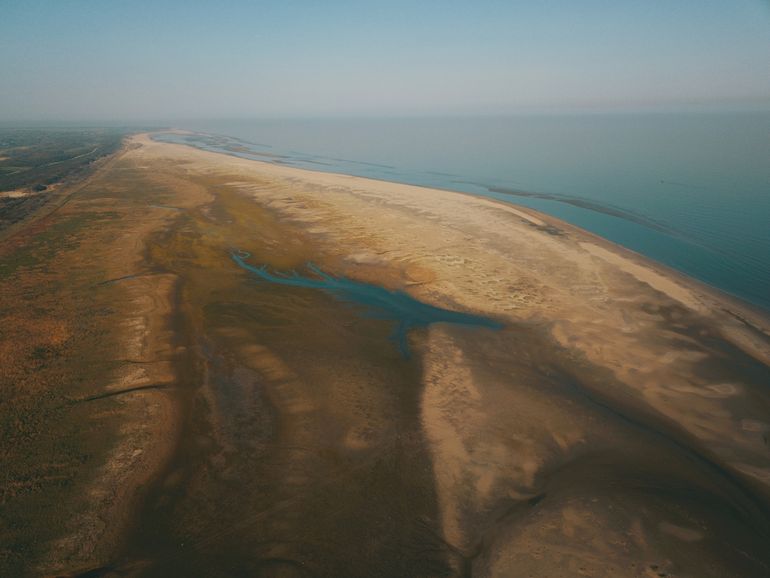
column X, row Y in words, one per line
column 602, row 349
column 610, row 371
column 751, row 308
column 711, row 297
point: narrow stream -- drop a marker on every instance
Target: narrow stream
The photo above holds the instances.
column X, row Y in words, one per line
column 379, row 303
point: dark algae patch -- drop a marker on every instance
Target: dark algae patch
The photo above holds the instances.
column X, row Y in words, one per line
column 379, row 303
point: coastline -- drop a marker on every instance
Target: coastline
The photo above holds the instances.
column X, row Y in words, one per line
column 380, row 233
column 658, row 355
column 704, row 297
column 614, row 385
column 633, row 212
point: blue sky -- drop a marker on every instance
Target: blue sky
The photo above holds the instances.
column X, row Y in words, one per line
column 141, row 59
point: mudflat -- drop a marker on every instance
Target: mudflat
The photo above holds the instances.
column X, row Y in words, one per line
column 168, row 411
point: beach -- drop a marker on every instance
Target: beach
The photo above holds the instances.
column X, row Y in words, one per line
column 610, row 417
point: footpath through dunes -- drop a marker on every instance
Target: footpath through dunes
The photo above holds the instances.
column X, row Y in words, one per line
column 611, row 420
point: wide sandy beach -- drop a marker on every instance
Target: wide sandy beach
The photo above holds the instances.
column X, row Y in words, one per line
column 616, row 425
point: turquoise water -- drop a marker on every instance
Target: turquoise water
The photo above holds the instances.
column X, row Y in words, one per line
column 379, row 303
column 691, row 191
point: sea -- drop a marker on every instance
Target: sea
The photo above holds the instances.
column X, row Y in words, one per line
column 689, row 190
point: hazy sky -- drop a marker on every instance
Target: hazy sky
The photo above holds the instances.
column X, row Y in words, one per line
column 156, row 59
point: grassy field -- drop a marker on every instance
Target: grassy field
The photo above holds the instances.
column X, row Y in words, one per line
column 62, row 346
column 35, row 162
column 32, row 158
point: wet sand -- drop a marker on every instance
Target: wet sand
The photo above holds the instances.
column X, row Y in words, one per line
column 617, row 425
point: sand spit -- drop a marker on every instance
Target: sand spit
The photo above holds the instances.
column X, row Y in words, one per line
column 617, row 425
column 654, row 354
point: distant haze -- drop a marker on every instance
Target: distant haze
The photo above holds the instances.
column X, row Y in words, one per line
column 155, row 59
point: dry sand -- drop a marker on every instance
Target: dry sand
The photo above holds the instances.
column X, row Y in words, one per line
column 617, row 425
column 650, row 349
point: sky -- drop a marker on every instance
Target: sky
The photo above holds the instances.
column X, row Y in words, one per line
column 155, row 60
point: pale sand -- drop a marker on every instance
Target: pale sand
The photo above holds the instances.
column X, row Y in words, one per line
column 491, row 258
column 649, row 328
column 15, row 194
column 478, row 223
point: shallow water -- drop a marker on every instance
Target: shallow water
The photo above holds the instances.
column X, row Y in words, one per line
column 380, row 303
column 689, row 190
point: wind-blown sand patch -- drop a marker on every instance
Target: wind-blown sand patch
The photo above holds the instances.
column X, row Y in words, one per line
column 15, row 194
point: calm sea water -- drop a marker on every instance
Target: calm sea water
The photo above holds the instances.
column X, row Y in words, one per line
column 688, row 190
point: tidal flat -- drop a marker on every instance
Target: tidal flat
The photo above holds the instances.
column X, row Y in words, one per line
column 167, row 412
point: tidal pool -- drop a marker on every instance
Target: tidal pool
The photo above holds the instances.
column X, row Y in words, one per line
column 379, row 303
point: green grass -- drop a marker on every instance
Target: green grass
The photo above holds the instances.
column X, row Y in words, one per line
column 42, row 157
column 60, row 236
